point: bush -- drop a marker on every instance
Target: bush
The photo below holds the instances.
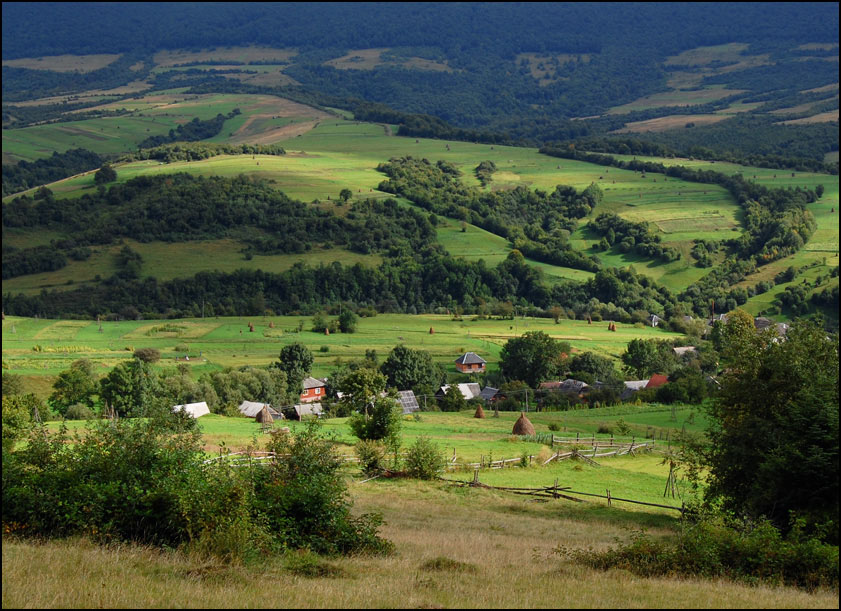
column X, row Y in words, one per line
column 79, row 411
column 713, row 550
column 148, row 355
column 424, row 459
column 371, row 455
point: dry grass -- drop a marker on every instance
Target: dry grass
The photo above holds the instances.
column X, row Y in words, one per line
column 223, row 55
column 662, row 124
column 368, row 59
column 823, row 117
column 459, row 549
column 64, row 63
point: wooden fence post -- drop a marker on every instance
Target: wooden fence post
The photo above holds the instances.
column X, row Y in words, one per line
column 608, row 497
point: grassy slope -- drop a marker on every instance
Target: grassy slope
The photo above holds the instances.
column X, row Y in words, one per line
column 226, row 342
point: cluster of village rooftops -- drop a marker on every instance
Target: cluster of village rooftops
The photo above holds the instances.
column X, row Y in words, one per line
column 315, row 389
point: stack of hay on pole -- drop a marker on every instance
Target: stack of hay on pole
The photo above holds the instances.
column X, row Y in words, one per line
column 523, row 426
column 480, row 413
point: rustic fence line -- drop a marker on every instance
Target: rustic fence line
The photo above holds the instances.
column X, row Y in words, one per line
column 555, row 492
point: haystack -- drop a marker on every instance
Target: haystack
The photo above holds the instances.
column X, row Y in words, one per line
column 523, row 426
column 480, row 413
column 264, row 416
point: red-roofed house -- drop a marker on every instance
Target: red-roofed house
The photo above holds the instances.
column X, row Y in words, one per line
column 657, row 380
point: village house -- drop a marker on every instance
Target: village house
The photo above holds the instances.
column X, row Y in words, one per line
column 252, row 408
column 196, row 410
column 469, row 391
column 313, row 390
column 470, row 362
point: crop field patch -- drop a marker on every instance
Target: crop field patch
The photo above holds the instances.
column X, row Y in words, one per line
column 64, row 63
column 368, row 59
column 676, row 98
column 661, row 124
column 181, row 329
column 223, row 55
column 829, row 116
column 63, row 329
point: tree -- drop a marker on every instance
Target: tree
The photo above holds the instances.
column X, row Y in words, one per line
column 129, row 387
column 74, row 385
column 533, row 358
column 345, row 195
column 348, row 321
column 296, row 361
column 601, row 368
column 453, row 400
column 17, row 413
column 360, row 388
column 382, row 423
column 410, row 369
column 644, row 357
column 105, row 174
column 320, row 322
column 774, row 426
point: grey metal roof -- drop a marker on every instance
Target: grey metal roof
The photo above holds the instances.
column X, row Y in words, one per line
column 468, row 358
column 308, row 409
column 252, row 408
column 310, row 382
column 488, row 393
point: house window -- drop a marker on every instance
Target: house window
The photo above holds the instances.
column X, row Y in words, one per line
column 318, row 391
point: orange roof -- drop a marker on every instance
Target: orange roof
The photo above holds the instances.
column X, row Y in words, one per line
column 657, row 380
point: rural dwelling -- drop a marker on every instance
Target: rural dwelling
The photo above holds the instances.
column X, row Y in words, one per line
column 657, row 380
column 196, row 410
column 469, row 390
column 252, row 408
column 408, row 402
column 470, row 362
column 682, row 350
column 308, row 409
column 313, row 390
column 631, row 388
column 654, row 320
column 489, row 394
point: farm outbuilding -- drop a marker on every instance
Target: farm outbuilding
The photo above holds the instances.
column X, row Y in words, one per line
column 196, row 410
column 408, row 401
column 308, row 409
column 469, row 390
column 252, row 408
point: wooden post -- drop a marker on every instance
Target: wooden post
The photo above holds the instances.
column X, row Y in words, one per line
column 555, row 491
column 608, row 497
column 475, row 476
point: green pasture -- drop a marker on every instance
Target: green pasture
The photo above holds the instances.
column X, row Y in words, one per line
column 169, row 260
column 39, row 349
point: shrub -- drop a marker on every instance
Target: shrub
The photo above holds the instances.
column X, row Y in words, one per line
column 424, row 459
column 710, row 549
column 79, row 411
column 182, row 348
column 148, row 355
column 371, row 455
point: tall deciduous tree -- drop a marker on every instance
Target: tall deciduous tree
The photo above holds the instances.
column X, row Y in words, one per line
column 774, row 433
column 74, row 385
column 296, row 361
column 410, row 369
column 533, row 358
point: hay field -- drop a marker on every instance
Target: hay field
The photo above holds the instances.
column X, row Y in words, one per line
column 368, row 59
column 227, row 342
column 64, row 63
column 222, row 55
column 168, row 260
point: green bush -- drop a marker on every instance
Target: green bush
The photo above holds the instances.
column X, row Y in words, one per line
column 145, row 481
column 371, row 455
column 79, row 411
column 424, row 459
column 757, row 553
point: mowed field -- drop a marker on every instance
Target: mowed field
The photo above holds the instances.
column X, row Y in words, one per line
column 327, row 153
column 39, row 349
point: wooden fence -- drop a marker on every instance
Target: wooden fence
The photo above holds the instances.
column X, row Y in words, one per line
column 556, row 492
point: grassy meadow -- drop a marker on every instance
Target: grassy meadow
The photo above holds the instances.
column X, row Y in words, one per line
column 39, row 349
column 327, row 153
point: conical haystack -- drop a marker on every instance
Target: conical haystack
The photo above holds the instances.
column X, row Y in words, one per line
column 480, row 413
column 523, row 426
column 264, row 416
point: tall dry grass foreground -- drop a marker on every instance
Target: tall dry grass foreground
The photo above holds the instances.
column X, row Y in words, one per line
column 454, row 548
